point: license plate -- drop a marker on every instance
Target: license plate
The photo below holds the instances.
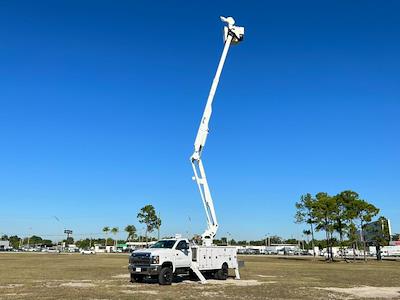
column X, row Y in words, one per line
column 138, row 269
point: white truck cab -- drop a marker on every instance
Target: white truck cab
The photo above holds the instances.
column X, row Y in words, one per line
column 162, row 260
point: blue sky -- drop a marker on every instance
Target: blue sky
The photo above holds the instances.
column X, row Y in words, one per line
column 101, row 101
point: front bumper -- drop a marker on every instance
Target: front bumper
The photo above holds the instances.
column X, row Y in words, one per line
column 144, row 270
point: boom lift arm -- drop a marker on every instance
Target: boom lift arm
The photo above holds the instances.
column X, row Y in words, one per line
column 232, row 35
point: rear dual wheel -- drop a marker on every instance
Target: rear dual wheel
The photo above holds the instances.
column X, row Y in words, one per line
column 222, row 274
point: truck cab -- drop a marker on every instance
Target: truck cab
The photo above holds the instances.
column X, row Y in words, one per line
column 161, row 261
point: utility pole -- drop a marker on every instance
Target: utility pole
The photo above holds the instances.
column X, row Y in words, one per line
column 230, row 237
column 190, row 227
column 267, row 239
column 29, row 238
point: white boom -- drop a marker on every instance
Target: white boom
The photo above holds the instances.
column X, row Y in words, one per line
column 232, row 35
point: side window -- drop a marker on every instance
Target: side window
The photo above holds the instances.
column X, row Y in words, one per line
column 182, row 245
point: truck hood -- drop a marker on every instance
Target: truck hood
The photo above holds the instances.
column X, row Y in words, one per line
column 154, row 251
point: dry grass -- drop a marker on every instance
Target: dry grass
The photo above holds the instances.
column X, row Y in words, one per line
column 52, row 276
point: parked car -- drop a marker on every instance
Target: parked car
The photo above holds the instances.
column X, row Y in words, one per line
column 87, row 251
column 301, row 252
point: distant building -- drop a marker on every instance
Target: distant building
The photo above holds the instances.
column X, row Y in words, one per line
column 4, row 245
column 134, row 245
column 394, row 243
column 273, row 249
column 99, row 248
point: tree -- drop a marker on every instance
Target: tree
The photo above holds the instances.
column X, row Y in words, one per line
column 344, row 222
column 35, row 240
column 106, row 230
column 47, row 243
column 4, row 237
column 84, row 244
column 324, row 211
column 353, row 237
column 147, row 215
column 344, row 214
column 158, row 225
column 305, row 214
column 381, row 236
column 131, row 230
column 115, row 231
column 15, row 241
column 292, row 241
column 364, row 212
column 275, row 239
column 69, row 241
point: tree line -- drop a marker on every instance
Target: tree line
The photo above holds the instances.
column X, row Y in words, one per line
column 147, row 216
column 17, row 242
column 344, row 215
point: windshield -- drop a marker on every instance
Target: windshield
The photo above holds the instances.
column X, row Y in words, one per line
column 164, row 244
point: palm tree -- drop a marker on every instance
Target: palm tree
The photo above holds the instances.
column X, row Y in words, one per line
column 131, row 230
column 114, row 231
column 106, row 230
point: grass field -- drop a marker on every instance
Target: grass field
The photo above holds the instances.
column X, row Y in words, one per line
column 62, row 276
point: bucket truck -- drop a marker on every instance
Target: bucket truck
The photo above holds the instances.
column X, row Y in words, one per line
column 169, row 257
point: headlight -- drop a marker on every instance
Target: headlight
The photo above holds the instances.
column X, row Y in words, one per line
column 155, row 260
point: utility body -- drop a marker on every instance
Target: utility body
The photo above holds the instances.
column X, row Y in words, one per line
column 170, row 257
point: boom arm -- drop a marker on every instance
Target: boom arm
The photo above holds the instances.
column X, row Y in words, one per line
column 232, row 34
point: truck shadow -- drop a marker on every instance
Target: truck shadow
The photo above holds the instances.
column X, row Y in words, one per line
column 177, row 279
column 182, row 279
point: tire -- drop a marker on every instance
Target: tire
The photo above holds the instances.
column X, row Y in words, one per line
column 136, row 278
column 222, row 274
column 165, row 277
column 193, row 276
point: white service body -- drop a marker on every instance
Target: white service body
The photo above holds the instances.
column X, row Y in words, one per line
column 212, row 257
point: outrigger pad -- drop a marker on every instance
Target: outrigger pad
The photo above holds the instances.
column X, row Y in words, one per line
column 237, row 275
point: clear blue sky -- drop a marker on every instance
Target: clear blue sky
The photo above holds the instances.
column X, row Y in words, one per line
column 101, row 101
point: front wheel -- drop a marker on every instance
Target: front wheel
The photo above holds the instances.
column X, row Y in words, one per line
column 165, row 276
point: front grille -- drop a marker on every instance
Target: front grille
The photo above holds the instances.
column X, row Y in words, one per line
column 140, row 259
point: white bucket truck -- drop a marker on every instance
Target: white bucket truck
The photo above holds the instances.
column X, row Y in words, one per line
column 170, row 257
